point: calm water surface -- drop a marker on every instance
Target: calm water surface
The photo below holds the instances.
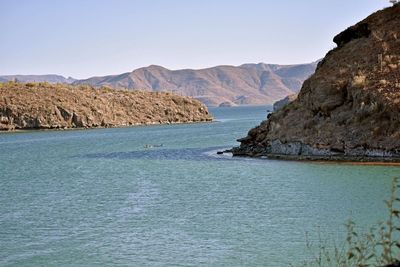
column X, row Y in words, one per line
column 101, row 198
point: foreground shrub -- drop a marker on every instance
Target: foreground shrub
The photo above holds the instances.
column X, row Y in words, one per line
column 380, row 246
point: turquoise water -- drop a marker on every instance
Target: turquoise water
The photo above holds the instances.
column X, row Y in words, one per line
column 100, row 198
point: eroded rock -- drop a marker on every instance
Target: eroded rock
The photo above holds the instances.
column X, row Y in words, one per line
column 350, row 108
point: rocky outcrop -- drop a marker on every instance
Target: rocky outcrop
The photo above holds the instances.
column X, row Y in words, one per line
column 283, row 102
column 227, row 104
column 357, row 31
column 350, row 108
column 47, row 106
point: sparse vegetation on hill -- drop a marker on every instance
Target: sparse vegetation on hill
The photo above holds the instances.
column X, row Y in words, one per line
column 349, row 109
column 60, row 106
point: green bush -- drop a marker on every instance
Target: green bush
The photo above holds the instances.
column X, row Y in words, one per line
column 380, row 246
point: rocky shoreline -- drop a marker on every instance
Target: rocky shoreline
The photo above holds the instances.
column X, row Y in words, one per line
column 300, row 151
column 33, row 106
column 349, row 110
column 57, row 128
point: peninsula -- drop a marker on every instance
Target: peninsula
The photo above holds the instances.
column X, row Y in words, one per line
column 61, row 106
column 349, row 109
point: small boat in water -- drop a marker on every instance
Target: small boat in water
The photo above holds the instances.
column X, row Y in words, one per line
column 152, row 145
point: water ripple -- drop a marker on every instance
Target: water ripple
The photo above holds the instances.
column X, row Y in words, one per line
column 209, row 153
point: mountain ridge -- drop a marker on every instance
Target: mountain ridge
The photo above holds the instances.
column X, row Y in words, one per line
column 246, row 84
column 50, row 78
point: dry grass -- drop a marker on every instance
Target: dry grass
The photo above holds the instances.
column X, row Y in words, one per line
column 359, row 80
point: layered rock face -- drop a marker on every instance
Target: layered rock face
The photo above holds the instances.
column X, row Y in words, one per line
column 350, row 108
column 47, row 106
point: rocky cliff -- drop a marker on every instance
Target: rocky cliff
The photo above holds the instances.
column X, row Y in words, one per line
column 350, row 108
column 47, row 106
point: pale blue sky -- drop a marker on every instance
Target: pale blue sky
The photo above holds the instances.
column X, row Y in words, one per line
column 82, row 38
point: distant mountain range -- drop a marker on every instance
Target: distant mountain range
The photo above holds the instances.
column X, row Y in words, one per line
column 248, row 84
column 50, row 78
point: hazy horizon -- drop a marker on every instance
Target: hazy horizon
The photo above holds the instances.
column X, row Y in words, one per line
column 97, row 38
column 111, row 74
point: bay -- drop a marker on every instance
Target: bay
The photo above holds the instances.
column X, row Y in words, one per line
column 161, row 196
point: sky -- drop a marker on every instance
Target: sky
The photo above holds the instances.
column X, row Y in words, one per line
column 84, row 38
